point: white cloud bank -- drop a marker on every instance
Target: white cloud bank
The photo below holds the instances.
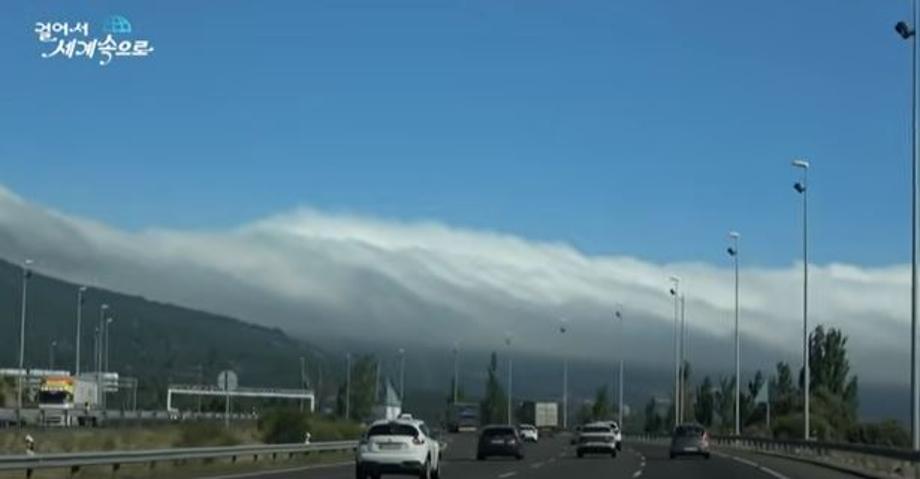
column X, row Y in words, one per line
column 321, row 276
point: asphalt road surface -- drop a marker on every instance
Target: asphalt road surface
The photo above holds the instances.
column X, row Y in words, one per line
column 555, row 459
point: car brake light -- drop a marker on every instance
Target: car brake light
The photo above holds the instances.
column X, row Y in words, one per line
column 418, row 441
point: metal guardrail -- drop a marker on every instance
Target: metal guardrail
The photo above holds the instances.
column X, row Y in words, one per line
column 863, row 460
column 39, row 417
column 115, row 459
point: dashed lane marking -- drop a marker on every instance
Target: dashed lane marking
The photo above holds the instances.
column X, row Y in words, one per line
column 281, row 471
column 507, row 474
column 637, row 473
column 536, row 465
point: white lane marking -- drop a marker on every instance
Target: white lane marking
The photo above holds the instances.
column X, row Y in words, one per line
column 761, row 468
column 637, row 473
column 536, row 465
column 507, row 474
column 281, row 471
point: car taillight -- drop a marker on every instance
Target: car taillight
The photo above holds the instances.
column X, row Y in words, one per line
column 418, row 441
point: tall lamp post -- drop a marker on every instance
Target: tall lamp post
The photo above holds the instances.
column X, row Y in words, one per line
column 402, row 376
column 26, row 274
column 347, row 386
column 734, row 236
column 99, row 345
column 908, row 32
column 565, row 380
column 51, row 347
column 619, row 317
column 510, row 375
column 675, row 292
column 801, row 187
column 80, row 300
column 456, row 391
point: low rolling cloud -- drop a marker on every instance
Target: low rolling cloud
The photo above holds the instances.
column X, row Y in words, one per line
column 322, row 276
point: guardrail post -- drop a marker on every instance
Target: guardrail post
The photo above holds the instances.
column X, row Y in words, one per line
column 74, row 470
column 28, row 473
column 115, row 468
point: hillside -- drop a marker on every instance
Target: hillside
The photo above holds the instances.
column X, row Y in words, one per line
column 155, row 342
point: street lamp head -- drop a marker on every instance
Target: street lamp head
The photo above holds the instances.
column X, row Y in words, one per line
column 109, row 320
column 904, row 29
column 801, row 164
column 28, row 262
column 82, row 289
column 799, row 187
column 734, row 235
column 105, row 306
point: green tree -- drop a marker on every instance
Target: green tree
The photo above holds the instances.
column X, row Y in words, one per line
column 601, row 408
column 784, row 397
column 752, row 413
column 492, row 408
column 654, row 424
column 725, row 402
column 704, row 409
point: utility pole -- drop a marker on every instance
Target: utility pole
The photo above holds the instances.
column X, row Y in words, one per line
column 348, row 387
column 79, row 334
column 26, row 274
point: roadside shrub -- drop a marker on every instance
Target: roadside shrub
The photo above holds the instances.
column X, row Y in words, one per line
column 282, row 426
column 200, row 434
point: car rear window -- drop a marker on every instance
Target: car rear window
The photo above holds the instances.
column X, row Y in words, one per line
column 392, row 430
column 689, row 431
column 596, row 429
column 527, row 428
column 498, row 431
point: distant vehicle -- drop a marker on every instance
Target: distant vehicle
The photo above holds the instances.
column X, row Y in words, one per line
column 463, row 417
column 402, row 446
column 690, row 440
column 499, row 441
column 529, row 432
column 596, row 438
column 67, row 401
column 544, row 415
column 617, row 434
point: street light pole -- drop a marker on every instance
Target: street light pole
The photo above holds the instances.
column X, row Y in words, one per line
column 80, row 292
column 26, row 274
column 622, row 342
column 909, row 32
column 348, row 386
column 510, row 374
column 402, row 376
column 51, row 347
column 802, row 188
column 456, row 372
column 565, row 382
column 733, row 252
column 683, row 356
column 675, row 292
column 100, row 395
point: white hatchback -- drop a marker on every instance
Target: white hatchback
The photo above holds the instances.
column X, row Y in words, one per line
column 402, row 446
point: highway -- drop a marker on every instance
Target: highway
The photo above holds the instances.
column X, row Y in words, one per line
column 555, row 459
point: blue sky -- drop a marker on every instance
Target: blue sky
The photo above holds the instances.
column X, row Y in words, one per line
column 638, row 128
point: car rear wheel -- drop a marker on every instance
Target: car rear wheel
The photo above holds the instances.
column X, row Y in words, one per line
column 359, row 472
column 425, row 473
column 580, row 454
column 673, row 455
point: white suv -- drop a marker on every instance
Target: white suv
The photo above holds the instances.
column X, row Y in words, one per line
column 400, row 446
column 596, row 438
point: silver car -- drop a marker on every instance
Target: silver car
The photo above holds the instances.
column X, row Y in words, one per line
column 690, row 440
